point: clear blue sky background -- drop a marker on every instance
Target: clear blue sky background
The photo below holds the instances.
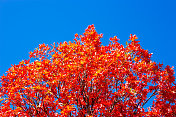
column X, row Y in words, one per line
column 26, row 23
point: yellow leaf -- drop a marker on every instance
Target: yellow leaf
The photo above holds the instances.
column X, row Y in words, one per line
column 1, row 99
column 38, row 63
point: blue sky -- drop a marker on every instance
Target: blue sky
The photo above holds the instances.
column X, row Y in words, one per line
column 24, row 24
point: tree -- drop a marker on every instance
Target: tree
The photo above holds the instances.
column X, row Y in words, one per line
column 85, row 78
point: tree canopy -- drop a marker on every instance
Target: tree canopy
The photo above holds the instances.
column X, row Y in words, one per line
column 85, row 78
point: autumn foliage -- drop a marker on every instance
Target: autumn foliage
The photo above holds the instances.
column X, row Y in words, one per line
column 84, row 78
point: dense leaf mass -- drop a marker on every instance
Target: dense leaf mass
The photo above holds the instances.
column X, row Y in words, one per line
column 85, row 78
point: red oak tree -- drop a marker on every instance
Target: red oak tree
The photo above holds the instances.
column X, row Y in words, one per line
column 85, row 78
